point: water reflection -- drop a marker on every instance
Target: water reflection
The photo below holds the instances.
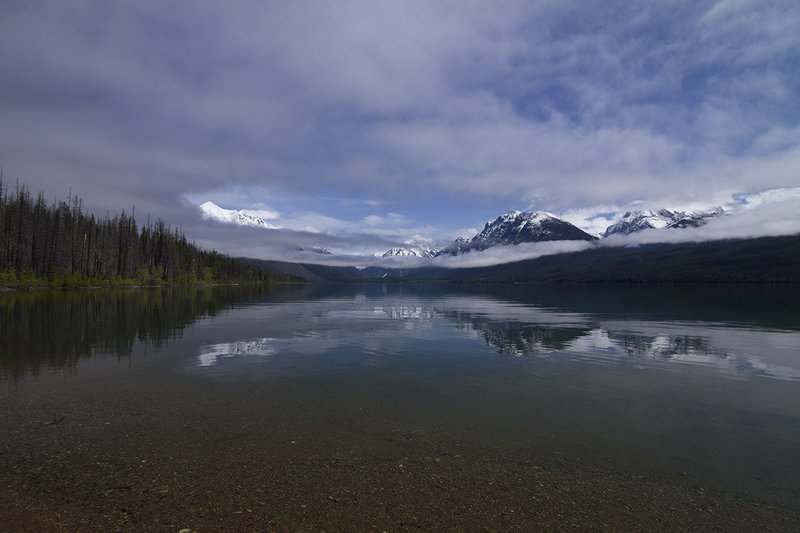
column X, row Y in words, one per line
column 732, row 349
column 54, row 329
column 661, row 382
column 399, row 323
column 209, row 355
column 602, row 325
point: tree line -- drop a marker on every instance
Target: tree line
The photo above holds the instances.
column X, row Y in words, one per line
column 59, row 244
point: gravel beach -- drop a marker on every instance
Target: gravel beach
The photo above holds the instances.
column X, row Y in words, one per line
column 109, row 457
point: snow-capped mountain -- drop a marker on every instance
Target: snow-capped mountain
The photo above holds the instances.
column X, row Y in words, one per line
column 516, row 227
column 212, row 211
column 695, row 219
column 412, row 251
column 634, row 221
column 512, row 228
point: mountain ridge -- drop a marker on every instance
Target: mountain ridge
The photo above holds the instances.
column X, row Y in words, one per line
column 635, row 221
column 508, row 229
column 517, row 227
column 754, row 260
column 410, row 251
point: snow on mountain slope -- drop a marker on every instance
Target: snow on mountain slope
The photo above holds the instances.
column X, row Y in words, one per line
column 634, row 221
column 212, row 211
column 516, row 227
column 693, row 220
column 416, row 251
column 508, row 229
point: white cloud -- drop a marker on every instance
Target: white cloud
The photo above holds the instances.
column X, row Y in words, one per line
column 508, row 254
column 772, row 196
column 766, row 219
column 263, row 213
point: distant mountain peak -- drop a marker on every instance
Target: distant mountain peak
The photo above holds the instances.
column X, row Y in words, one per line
column 635, row 221
column 410, row 251
column 212, row 211
column 516, row 227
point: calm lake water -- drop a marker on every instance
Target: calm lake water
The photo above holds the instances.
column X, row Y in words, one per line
column 688, row 386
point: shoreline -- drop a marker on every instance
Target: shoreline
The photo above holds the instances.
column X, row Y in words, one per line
column 165, row 286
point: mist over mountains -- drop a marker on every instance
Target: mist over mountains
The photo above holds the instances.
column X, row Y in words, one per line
column 508, row 237
column 660, row 245
column 634, row 221
column 517, row 227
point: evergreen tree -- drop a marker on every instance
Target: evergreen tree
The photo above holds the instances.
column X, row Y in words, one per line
column 61, row 245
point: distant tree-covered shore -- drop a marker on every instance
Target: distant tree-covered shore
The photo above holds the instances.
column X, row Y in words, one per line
column 60, row 245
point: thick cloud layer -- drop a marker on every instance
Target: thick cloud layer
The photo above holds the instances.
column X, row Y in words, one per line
column 365, row 122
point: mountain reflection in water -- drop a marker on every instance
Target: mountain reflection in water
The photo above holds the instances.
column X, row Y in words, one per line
column 517, row 328
column 692, row 386
column 736, row 330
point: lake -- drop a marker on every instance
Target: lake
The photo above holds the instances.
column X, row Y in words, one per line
column 401, row 407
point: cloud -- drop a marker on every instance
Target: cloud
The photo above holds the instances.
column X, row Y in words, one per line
column 509, row 254
column 770, row 214
column 466, row 107
column 761, row 220
column 390, row 218
column 782, row 196
column 288, row 245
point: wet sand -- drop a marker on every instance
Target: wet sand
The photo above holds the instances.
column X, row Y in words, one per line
column 110, row 456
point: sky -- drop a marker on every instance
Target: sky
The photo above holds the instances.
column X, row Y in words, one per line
column 357, row 126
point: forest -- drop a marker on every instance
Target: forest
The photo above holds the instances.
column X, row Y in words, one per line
column 60, row 245
column 754, row 260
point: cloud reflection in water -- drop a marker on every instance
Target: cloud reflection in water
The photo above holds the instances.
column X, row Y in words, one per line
column 210, row 354
column 385, row 326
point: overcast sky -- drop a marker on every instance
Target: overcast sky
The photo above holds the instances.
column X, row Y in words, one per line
column 356, row 126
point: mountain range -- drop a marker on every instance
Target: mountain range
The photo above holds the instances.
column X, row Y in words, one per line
column 759, row 260
column 517, row 227
column 514, row 227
